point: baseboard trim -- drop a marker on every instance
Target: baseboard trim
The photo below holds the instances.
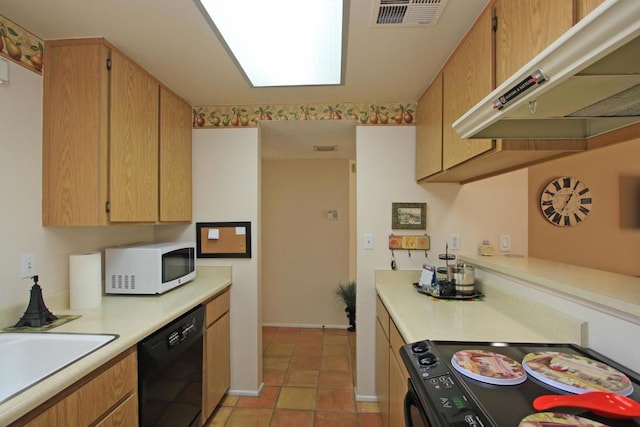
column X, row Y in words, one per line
column 361, row 398
column 249, row 393
column 305, row 326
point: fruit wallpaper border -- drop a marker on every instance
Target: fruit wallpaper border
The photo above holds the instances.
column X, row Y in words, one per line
column 249, row 115
column 20, row 46
column 24, row 48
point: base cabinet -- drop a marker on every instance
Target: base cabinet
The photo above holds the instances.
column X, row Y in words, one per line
column 106, row 397
column 217, row 359
column 391, row 375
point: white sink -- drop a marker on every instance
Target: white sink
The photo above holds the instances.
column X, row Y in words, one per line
column 27, row 358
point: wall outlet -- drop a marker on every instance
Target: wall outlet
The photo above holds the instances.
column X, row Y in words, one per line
column 454, row 242
column 27, row 266
column 505, row 242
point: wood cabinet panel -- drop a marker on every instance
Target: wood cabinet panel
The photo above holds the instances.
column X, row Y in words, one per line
column 175, row 158
column 75, row 135
column 217, row 353
column 125, row 415
column 133, row 147
column 526, row 28
column 383, row 316
column 110, row 391
column 584, row 7
column 382, row 372
column 468, row 77
column 429, row 131
column 397, row 390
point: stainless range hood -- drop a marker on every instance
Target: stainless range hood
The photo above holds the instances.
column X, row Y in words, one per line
column 585, row 83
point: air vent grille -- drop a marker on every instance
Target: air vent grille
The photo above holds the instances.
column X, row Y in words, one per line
column 393, row 13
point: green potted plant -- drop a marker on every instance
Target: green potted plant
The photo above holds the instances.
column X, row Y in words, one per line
column 347, row 294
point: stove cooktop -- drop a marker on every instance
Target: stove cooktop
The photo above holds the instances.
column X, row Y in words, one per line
column 450, row 398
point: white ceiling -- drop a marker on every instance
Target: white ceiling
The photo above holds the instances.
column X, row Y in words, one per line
column 173, row 41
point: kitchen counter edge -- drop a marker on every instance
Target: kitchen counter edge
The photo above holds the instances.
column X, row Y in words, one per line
column 131, row 317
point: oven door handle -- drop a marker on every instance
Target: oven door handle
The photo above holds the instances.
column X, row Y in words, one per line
column 410, row 399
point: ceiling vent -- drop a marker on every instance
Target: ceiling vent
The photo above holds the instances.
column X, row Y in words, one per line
column 406, row 13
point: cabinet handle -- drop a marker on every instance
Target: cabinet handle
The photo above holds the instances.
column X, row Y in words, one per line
column 107, row 206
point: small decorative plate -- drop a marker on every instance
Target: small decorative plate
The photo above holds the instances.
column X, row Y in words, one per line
column 576, row 374
column 488, row 367
column 553, row 419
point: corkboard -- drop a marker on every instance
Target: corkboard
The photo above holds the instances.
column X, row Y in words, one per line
column 223, row 239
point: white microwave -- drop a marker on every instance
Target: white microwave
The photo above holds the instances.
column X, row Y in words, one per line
column 149, row 269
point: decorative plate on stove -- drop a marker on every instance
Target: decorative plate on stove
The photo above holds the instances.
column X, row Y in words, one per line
column 554, row 419
column 488, row 367
column 575, row 374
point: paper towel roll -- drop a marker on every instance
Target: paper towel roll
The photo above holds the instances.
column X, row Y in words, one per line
column 85, row 280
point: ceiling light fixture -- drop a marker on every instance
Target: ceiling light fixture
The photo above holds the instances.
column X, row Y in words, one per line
column 282, row 42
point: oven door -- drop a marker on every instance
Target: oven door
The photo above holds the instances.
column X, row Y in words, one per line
column 414, row 413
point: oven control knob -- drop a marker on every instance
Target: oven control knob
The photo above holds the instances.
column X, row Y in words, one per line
column 427, row 359
column 420, row 347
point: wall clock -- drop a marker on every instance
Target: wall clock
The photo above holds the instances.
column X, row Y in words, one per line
column 566, row 201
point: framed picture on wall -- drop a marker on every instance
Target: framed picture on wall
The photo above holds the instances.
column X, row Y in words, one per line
column 409, row 216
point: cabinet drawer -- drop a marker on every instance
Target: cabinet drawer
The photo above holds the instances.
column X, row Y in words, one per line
column 93, row 397
column 396, row 341
column 218, row 306
column 383, row 316
column 125, row 415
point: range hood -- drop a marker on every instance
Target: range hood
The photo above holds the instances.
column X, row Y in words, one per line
column 584, row 84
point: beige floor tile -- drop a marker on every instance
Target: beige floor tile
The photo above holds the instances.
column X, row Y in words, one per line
column 305, row 363
column 335, row 331
column 335, row 363
column 229, row 400
column 297, row 398
column 370, row 420
column 301, row 378
column 335, row 400
column 219, row 417
column 269, row 330
column 308, row 349
column 273, row 376
column 335, row 339
column 335, row 379
column 336, row 419
column 286, row 330
column 284, row 338
column 335, row 350
column 279, row 349
column 292, row 418
column 310, row 339
column 267, row 399
column 276, row 362
column 249, row 417
column 368, row 407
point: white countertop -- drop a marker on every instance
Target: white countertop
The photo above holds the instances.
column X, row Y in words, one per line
column 130, row 317
column 420, row 317
column 612, row 291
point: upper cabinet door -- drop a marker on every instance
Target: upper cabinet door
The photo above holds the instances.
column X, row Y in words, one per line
column 133, row 148
column 525, row 28
column 429, row 131
column 468, row 77
column 175, row 158
column 75, row 134
column 584, row 7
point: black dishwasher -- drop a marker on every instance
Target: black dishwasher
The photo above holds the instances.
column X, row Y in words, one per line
column 170, row 373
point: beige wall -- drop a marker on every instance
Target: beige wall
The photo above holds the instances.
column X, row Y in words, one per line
column 305, row 255
column 609, row 239
column 385, row 174
column 21, row 207
column 226, row 182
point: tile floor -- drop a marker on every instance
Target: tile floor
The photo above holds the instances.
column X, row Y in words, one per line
column 309, row 377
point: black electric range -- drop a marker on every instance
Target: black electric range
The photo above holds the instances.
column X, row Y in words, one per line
column 445, row 397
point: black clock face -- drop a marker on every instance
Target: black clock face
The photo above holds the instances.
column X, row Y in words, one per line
column 566, row 201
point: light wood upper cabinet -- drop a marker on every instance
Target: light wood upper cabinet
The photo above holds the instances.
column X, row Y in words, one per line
column 525, row 28
column 133, row 145
column 584, row 7
column 175, row 158
column 429, row 131
column 111, row 152
column 468, row 77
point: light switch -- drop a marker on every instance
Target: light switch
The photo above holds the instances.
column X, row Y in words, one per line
column 367, row 241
